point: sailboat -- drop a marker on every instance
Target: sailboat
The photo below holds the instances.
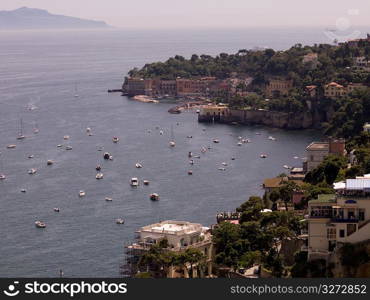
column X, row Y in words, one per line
column 20, row 133
column 76, row 91
column 172, row 141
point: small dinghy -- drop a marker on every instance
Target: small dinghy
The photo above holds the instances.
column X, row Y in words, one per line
column 190, row 172
column 12, row 146
column 40, row 224
column 120, row 221
column 81, row 194
column 138, row 165
column 49, row 162
column 32, row 171
column 66, row 137
column 115, row 139
column 263, row 156
column 146, row 182
column 106, row 156
column 134, row 182
column 99, row 176
column 154, row 197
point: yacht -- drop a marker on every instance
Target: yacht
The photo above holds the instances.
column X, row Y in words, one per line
column 99, row 176
column 82, row 194
column 49, row 162
column 40, row 224
column 98, row 168
column 271, row 138
column 120, row 221
column 190, row 172
column 56, row 209
column 32, row 171
column 108, row 199
column 66, row 137
column 106, row 155
column 30, row 156
column 154, row 197
column 138, row 165
column 68, row 147
column 134, row 182
column 11, row 146
column 2, row 177
column 146, row 182
column 263, row 156
column 240, row 144
column 216, row 141
column 115, row 139
column 23, row 190
column 59, row 146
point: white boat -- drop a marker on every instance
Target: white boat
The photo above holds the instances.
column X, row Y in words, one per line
column 286, row 167
column 66, row 137
column 224, row 164
column 20, row 133
column 76, row 95
column 198, row 111
column 108, row 199
column 146, row 182
column 40, row 224
column 240, row 144
column 115, row 139
column 56, row 209
column 216, row 141
column 32, row 171
column 2, row 177
column 263, row 156
column 59, row 146
column 161, row 132
column 88, row 129
column 68, row 147
column 191, row 162
column 221, row 169
column 30, row 156
column 295, row 157
column 190, row 172
column 12, row 146
column 106, row 155
column 23, row 190
column 49, row 162
column 99, row 176
column 154, row 197
column 81, row 194
column 138, row 165
column 172, row 142
column 134, row 182
column 120, row 221
column 271, row 138
column 203, row 150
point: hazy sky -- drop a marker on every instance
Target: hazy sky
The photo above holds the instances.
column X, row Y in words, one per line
column 208, row 13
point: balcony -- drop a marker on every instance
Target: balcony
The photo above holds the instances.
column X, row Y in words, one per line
column 343, row 220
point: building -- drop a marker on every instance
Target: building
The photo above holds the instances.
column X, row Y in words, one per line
column 355, row 43
column 335, row 90
column 278, row 87
column 180, row 236
column 361, row 63
column 367, row 127
column 343, row 217
column 311, row 90
column 311, row 60
column 212, row 113
column 194, row 87
column 318, row 151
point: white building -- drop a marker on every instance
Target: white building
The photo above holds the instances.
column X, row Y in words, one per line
column 340, row 218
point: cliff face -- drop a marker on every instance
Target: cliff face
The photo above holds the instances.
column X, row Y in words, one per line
column 271, row 118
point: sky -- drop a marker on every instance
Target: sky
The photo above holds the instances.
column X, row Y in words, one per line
column 208, row 13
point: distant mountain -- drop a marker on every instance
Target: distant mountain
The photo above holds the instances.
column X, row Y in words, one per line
column 33, row 18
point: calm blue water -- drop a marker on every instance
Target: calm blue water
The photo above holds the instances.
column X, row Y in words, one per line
column 40, row 70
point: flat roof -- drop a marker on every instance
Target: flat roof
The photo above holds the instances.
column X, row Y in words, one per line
column 316, row 146
column 172, row 227
column 324, row 198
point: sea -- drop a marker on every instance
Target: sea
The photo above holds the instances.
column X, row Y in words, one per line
column 40, row 73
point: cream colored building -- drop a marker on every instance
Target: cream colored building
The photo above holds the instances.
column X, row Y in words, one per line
column 180, row 235
column 335, row 90
column 340, row 218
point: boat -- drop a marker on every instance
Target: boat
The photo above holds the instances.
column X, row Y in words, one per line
column 295, row 157
column 203, row 150
column 88, row 129
column 49, row 162
column 66, row 137
column 2, row 177
column 286, row 167
column 40, row 224
column 258, row 133
column 106, row 155
column 196, row 156
column 224, row 164
column 56, row 209
column 36, row 128
column 23, row 190
column 191, row 162
column 190, row 154
column 81, row 194
column 68, row 147
column 240, row 144
column 134, row 182
column 30, row 156
column 197, row 111
column 138, row 165
column 32, row 171
column 161, row 132
column 99, row 176
column 20, row 133
column 59, row 146
column 146, row 182
column 221, row 169
column 233, row 158
column 76, row 95
column 154, row 197
column 263, row 156
column 12, row 146
column 172, row 142
column 271, row 138
column 115, row 139
column 189, row 136
column 98, row 168
column 108, row 199
column 120, row 221
column 190, row 172
column 216, row 141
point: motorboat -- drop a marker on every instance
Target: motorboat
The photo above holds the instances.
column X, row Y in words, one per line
column 286, row 167
column 99, row 176
column 120, row 221
column 49, row 162
column 295, row 157
column 263, row 156
column 189, row 136
column 66, row 137
column 108, row 199
column 138, row 165
column 82, row 194
column 106, row 155
column 23, row 190
column 216, row 141
column 115, row 139
column 2, row 177
column 134, row 182
column 30, row 156
column 59, row 146
column 12, row 146
column 233, row 158
column 271, row 138
column 224, row 164
column 40, row 224
column 203, row 150
column 32, row 171
column 190, row 154
column 154, row 197
column 240, row 144
column 98, row 168
column 161, row 132
column 191, row 162
column 197, row 111
column 88, row 129
column 172, row 144
column 222, row 169
column 146, row 182
column 190, row 172
column 68, row 147
column 21, row 136
column 56, row 209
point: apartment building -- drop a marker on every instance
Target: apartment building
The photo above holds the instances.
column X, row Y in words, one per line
column 278, row 87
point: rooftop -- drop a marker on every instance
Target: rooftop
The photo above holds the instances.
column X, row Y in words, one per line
column 318, row 146
column 324, row 198
column 173, row 227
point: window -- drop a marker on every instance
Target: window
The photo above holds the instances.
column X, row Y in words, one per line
column 341, row 233
column 361, row 215
column 331, row 233
column 351, row 228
